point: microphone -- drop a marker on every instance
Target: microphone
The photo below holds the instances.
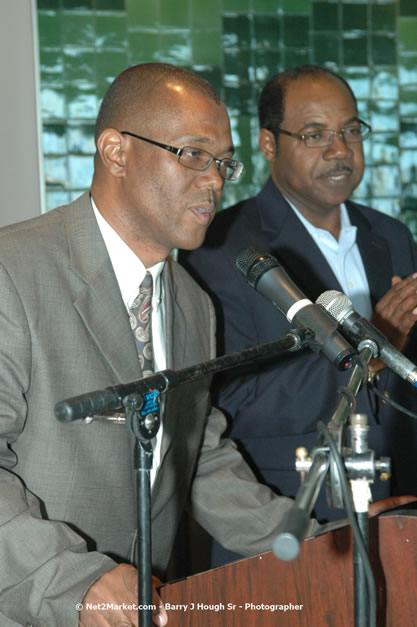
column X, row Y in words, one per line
column 359, row 329
column 267, row 276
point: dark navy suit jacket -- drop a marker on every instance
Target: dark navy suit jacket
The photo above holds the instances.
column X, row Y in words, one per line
column 274, row 407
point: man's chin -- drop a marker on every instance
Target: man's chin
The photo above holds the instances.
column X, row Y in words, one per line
column 194, row 241
column 335, row 195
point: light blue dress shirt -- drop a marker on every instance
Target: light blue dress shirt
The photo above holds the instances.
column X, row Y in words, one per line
column 344, row 258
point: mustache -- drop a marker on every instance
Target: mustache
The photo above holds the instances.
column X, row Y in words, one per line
column 337, row 168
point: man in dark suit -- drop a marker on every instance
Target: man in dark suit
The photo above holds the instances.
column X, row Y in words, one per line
column 311, row 134
column 67, row 280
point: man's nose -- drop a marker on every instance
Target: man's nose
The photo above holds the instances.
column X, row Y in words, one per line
column 337, row 146
column 211, row 177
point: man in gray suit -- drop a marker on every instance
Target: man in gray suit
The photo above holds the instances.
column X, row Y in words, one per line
column 67, row 279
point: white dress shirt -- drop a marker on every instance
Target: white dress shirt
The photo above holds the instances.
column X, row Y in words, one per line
column 130, row 272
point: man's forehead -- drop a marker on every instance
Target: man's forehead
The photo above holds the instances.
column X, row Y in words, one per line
column 317, row 87
column 202, row 125
column 316, row 95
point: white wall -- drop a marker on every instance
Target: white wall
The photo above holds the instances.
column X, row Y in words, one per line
column 20, row 161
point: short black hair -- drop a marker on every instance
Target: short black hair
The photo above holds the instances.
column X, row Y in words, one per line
column 272, row 97
column 129, row 93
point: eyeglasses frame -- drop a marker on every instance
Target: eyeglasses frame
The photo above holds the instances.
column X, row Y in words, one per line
column 179, row 152
column 303, row 137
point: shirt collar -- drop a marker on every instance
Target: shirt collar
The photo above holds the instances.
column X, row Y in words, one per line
column 128, row 268
column 347, row 231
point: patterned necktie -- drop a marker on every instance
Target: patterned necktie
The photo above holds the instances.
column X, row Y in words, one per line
column 141, row 323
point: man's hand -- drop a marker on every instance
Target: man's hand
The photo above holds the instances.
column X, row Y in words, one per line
column 396, row 314
column 118, row 587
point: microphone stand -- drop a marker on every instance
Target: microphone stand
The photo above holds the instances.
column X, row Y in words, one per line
column 144, row 425
column 360, row 465
column 140, row 400
column 360, row 494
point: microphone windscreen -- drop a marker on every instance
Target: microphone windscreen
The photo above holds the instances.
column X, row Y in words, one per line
column 336, row 303
column 253, row 264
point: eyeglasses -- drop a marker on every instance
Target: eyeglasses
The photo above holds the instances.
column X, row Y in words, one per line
column 322, row 137
column 197, row 159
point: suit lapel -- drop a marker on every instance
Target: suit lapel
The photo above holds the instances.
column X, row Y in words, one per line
column 175, row 328
column 170, row 475
column 174, row 319
column 294, row 247
column 98, row 301
column 375, row 253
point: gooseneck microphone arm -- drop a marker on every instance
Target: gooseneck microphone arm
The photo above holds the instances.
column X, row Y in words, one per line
column 359, row 331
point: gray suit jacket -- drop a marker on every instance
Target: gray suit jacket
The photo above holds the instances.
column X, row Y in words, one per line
column 67, row 491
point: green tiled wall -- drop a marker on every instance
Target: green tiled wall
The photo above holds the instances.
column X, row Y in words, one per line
column 237, row 45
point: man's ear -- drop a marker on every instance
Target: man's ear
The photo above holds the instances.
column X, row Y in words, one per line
column 267, row 144
column 110, row 146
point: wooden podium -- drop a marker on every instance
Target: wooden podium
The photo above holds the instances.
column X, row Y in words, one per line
column 315, row 590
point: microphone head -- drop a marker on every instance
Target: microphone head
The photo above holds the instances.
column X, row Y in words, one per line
column 337, row 304
column 253, row 264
